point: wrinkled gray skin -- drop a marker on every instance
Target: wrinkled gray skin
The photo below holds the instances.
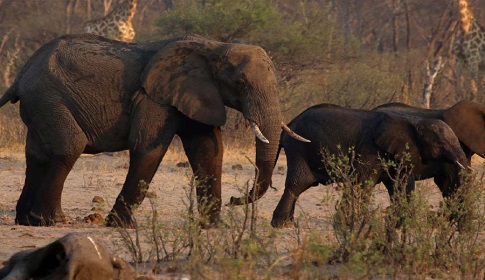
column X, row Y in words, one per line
column 431, row 144
column 466, row 119
column 88, row 94
column 74, row 256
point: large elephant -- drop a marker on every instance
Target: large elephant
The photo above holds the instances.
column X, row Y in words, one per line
column 88, row 94
column 431, row 144
column 466, row 119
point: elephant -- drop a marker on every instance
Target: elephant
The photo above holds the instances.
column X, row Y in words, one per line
column 466, row 119
column 374, row 136
column 74, row 256
column 88, row 94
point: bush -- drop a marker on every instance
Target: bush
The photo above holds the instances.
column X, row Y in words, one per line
column 223, row 20
column 412, row 240
column 373, row 80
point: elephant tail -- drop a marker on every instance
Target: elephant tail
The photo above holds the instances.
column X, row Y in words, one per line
column 252, row 196
column 10, row 95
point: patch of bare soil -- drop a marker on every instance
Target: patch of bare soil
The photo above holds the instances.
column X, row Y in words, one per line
column 100, row 177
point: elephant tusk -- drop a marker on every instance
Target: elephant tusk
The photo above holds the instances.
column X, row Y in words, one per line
column 459, row 165
column 293, row 134
column 258, row 132
column 95, row 246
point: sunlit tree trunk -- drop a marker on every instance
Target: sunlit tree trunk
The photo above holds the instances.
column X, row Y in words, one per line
column 107, row 6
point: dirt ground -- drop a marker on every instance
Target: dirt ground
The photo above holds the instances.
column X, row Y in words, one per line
column 103, row 175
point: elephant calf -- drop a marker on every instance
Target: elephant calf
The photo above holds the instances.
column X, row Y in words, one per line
column 431, row 143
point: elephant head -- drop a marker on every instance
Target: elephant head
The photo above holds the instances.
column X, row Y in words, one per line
column 427, row 139
column 74, row 256
column 201, row 77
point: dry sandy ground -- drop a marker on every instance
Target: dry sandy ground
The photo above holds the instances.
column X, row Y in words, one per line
column 102, row 175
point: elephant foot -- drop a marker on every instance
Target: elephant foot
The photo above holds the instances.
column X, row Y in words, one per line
column 119, row 220
column 283, row 223
column 33, row 219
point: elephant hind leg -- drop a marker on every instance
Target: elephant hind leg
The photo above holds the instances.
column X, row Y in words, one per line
column 299, row 178
column 54, row 143
column 37, row 164
column 46, row 209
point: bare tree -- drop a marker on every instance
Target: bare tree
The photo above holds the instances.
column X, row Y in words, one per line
column 107, row 6
column 430, row 77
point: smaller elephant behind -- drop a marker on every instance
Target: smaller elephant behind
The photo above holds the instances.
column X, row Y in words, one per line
column 373, row 136
column 466, row 119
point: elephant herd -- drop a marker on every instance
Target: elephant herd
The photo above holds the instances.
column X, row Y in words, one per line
column 88, row 94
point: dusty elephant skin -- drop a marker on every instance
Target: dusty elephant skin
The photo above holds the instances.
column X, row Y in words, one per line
column 466, row 119
column 88, row 94
column 435, row 151
column 74, row 256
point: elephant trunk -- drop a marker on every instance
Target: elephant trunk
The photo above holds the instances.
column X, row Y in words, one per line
column 269, row 123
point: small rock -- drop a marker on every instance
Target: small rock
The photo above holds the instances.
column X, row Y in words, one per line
column 95, row 218
column 96, row 209
column 183, row 164
column 98, row 199
column 281, row 170
column 236, row 167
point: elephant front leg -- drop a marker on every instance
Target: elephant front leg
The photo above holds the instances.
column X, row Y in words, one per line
column 283, row 215
column 298, row 180
column 203, row 146
column 143, row 166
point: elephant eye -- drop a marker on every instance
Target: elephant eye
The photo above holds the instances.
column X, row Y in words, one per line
column 241, row 83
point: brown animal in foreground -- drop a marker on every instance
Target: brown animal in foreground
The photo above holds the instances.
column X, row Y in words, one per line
column 74, row 256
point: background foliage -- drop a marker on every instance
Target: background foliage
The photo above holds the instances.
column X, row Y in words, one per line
column 356, row 53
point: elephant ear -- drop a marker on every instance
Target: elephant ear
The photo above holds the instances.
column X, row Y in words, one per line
column 467, row 120
column 181, row 75
column 396, row 135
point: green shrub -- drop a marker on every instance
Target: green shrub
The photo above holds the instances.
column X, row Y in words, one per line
column 223, row 20
column 408, row 239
